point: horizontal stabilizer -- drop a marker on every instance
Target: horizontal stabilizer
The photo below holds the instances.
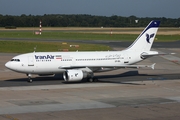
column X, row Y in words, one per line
column 148, row 54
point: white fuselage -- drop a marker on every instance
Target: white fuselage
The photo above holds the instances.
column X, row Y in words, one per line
column 58, row 62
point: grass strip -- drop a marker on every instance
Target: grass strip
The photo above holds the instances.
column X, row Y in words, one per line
column 28, row 46
column 58, row 35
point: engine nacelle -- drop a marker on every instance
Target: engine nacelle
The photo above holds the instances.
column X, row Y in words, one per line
column 74, row 75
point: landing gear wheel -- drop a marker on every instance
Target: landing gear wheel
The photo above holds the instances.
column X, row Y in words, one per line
column 29, row 78
column 30, row 81
column 95, row 79
column 91, row 80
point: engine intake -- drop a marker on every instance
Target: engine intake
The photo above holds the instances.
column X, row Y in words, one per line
column 74, row 75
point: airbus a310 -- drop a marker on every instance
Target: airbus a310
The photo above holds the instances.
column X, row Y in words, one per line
column 76, row 66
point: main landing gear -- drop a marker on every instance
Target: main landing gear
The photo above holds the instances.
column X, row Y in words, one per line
column 29, row 78
column 93, row 79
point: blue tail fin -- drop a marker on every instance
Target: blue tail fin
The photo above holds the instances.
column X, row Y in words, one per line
column 145, row 40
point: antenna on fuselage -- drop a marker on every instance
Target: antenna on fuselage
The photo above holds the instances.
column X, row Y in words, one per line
column 35, row 49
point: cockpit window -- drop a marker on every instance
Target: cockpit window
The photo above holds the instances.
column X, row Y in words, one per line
column 17, row 60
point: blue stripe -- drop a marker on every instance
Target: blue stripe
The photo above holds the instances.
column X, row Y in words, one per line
column 153, row 24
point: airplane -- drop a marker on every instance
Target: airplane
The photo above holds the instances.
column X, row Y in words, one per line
column 76, row 66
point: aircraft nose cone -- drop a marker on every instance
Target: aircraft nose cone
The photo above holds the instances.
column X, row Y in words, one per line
column 8, row 65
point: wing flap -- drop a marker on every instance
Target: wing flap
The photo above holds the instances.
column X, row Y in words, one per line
column 114, row 67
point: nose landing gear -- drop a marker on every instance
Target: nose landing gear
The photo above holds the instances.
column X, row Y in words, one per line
column 29, row 78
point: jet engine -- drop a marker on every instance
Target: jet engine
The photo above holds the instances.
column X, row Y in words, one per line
column 74, row 75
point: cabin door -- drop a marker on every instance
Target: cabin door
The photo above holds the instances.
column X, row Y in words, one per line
column 30, row 61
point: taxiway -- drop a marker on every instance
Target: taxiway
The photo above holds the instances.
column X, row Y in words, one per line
column 121, row 94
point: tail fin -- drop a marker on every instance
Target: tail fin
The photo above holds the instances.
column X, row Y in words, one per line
column 145, row 40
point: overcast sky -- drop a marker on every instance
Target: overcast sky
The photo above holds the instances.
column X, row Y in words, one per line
column 139, row 8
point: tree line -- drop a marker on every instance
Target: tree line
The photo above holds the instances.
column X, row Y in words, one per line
column 60, row 20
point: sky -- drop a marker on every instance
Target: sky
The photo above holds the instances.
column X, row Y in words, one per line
column 139, row 8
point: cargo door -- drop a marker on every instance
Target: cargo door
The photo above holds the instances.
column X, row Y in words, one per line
column 126, row 58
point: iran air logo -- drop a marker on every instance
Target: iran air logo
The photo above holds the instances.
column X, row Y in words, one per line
column 148, row 37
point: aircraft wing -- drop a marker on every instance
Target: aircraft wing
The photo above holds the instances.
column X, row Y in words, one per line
column 139, row 66
column 114, row 67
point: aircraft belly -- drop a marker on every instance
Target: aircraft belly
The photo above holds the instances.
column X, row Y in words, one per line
column 47, row 69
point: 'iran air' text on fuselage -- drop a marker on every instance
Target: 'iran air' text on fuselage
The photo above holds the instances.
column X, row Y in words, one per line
column 44, row 57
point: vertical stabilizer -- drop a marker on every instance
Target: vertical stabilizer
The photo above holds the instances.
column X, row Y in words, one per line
column 145, row 40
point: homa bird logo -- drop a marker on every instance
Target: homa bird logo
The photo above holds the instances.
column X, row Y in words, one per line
column 148, row 37
column 76, row 74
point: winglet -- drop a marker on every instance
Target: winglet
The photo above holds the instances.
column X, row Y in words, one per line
column 152, row 66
